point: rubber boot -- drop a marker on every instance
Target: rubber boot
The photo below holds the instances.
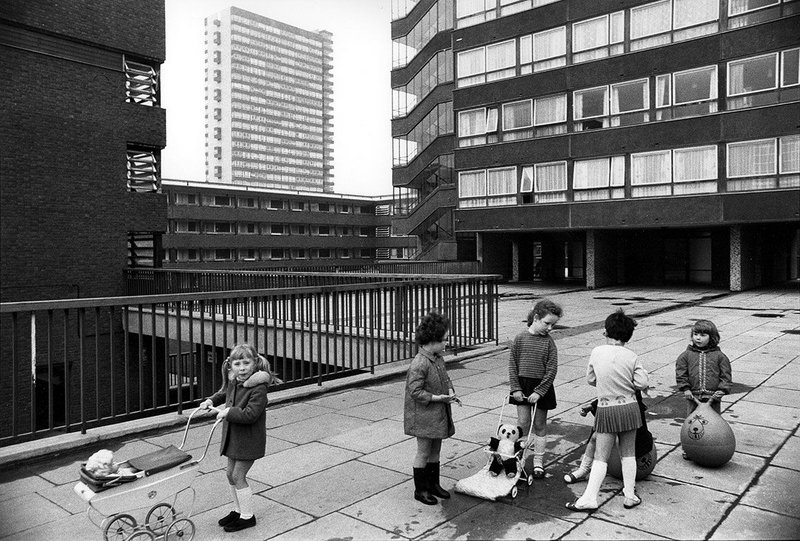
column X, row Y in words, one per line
column 432, row 471
column 421, row 493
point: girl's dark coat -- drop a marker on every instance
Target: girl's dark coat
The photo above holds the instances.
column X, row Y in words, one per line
column 244, row 430
column 426, row 377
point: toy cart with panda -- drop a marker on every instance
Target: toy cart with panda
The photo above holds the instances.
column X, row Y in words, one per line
column 151, row 482
column 489, row 487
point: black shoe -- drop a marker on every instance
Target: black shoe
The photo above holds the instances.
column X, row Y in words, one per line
column 432, row 474
column 240, row 524
column 230, row 517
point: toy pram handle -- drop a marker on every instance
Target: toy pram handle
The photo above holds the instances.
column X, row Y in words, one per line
column 210, row 434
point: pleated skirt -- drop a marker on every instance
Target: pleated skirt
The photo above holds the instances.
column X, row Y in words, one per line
column 619, row 418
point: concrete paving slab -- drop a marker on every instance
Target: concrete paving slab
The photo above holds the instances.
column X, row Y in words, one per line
column 774, row 395
column 26, row 512
column 733, row 477
column 332, row 489
column 789, row 454
column 776, row 491
column 21, row 481
column 672, row 509
column 753, row 413
column 500, row 521
column 70, row 527
column 593, row 528
column 378, row 410
column 368, row 438
column 756, row 440
column 745, row 522
column 336, row 526
column 346, row 399
column 61, row 474
column 196, row 437
column 271, row 519
column 316, row 428
column 396, row 510
column 291, row 413
column 486, row 398
column 481, row 380
column 298, row 462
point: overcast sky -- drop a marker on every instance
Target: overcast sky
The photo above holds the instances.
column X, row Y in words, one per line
column 362, row 52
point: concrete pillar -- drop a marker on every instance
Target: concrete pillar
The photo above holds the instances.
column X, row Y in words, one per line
column 736, row 258
column 515, row 260
column 591, row 282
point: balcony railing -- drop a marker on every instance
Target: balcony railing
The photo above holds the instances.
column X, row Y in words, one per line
column 69, row 365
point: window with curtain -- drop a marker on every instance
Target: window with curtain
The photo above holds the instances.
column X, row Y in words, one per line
column 790, row 154
column 752, row 158
column 501, row 186
column 465, row 8
column 471, row 67
column 753, row 74
column 693, row 164
column 651, row 168
column 526, row 53
column 472, row 123
column 472, row 188
column 550, row 177
column 590, row 34
column 550, row 48
column 650, row 24
column 790, row 67
column 550, row 110
column 591, row 103
column 737, row 7
column 501, row 60
column 591, row 174
column 630, row 96
column 695, row 85
column 517, row 115
column 694, row 12
column 526, row 182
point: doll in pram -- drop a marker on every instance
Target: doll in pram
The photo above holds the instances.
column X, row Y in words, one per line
column 154, row 481
column 488, row 483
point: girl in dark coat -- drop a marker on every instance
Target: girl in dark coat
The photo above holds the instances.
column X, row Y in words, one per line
column 246, row 375
column 427, row 414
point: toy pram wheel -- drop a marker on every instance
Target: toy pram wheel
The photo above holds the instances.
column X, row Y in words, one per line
column 530, row 480
column 119, row 528
column 142, row 535
column 514, row 492
column 159, row 518
column 182, row 530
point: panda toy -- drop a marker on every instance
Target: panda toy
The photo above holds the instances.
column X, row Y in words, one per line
column 506, row 443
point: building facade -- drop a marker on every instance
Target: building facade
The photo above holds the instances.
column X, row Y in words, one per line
column 81, row 132
column 269, row 112
column 625, row 142
column 219, row 226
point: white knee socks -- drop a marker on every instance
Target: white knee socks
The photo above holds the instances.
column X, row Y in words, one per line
column 585, row 467
column 245, row 498
column 539, row 444
column 628, row 476
column 235, row 499
column 596, row 476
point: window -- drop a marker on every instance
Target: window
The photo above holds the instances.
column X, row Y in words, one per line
column 323, row 207
column 221, row 201
column 550, row 115
column 299, row 229
column 277, row 253
column 695, row 18
column 324, row 253
column 737, row 7
column 474, row 125
column 660, row 23
column 550, row 182
column 248, row 254
column 746, row 12
column 598, row 37
column 142, row 170
column 790, row 154
column 517, row 115
column 345, row 209
column 277, row 229
column 248, row 202
column 276, row 204
column 599, row 178
column 223, row 254
column 764, row 79
column 141, row 83
column 189, row 254
column 753, row 74
column 501, row 186
column 651, row 174
column 184, row 226
column 484, row 64
column 366, row 253
column 764, row 164
column 694, row 170
column 248, row 228
column 220, row 227
column 299, row 253
column 298, row 206
column 651, row 20
column 472, row 189
column 186, row 199
column 323, row 230
column 686, row 93
column 752, row 158
column 543, row 50
column 471, row 66
column 630, row 102
column 590, row 108
column 364, row 231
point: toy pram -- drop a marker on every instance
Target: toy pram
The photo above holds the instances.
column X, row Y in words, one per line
column 484, row 485
column 153, row 480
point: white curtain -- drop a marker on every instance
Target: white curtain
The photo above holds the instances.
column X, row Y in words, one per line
column 471, row 63
column 526, row 184
column 472, row 184
column 736, row 7
column 517, row 115
column 697, row 163
column 591, row 174
column 472, row 123
column 502, row 181
column 590, row 34
column 790, row 154
column 651, row 19
column 632, row 96
column 526, row 49
column 663, row 91
column 751, row 158
column 465, row 8
column 791, row 67
column 550, row 44
column 651, row 168
column 617, row 27
column 590, row 103
column 551, row 177
column 694, row 12
column 753, row 74
column 618, row 170
column 501, row 56
column 550, row 110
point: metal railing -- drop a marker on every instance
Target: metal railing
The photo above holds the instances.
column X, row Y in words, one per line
column 69, row 365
